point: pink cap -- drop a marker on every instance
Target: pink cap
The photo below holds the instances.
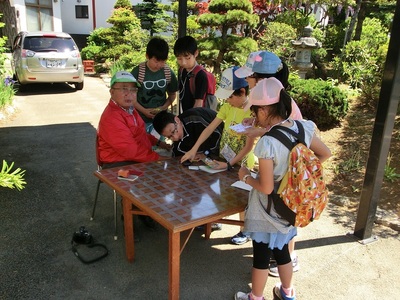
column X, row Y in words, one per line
column 266, row 92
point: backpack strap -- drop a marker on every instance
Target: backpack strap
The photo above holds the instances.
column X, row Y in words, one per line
column 284, row 139
column 192, row 81
column 167, row 73
column 142, row 71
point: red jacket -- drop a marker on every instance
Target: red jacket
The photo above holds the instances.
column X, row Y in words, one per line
column 123, row 137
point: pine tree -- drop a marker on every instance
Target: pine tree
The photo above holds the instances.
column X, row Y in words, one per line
column 227, row 22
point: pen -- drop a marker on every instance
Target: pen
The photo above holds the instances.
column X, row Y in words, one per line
column 244, row 162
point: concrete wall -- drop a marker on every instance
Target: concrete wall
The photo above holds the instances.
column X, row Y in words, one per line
column 103, row 8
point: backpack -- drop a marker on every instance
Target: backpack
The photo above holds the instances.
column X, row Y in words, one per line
column 210, row 100
column 142, row 71
column 302, row 194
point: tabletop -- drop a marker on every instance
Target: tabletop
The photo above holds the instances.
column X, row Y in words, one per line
column 178, row 197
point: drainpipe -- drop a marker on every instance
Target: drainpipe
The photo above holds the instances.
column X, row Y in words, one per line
column 94, row 13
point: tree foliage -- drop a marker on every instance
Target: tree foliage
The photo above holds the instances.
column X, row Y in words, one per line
column 277, row 38
column 153, row 16
column 362, row 62
column 3, row 41
column 124, row 41
column 226, row 22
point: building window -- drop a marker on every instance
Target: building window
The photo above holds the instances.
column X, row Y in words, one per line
column 81, row 12
column 39, row 15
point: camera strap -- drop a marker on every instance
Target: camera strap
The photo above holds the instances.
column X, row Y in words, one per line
column 91, row 245
column 83, row 237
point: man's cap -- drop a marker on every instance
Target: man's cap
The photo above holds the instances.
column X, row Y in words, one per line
column 229, row 83
column 123, row 76
column 267, row 63
column 266, row 92
column 246, row 70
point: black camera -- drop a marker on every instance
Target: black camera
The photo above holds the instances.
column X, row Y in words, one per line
column 82, row 236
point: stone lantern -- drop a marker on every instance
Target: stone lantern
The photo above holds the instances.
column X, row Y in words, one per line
column 303, row 47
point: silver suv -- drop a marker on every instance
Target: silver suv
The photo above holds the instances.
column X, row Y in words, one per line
column 39, row 57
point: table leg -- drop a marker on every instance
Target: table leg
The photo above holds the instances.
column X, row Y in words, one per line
column 174, row 264
column 207, row 231
column 128, row 230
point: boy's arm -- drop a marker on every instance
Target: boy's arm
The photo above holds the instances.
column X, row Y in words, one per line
column 170, row 99
column 143, row 110
column 201, row 139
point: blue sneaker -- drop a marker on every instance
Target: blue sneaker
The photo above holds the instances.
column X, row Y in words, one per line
column 240, row 238
column 279, row 294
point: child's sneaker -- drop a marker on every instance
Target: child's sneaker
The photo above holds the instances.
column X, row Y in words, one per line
column 279, row 294
column 273, row 267
column 243, row 296
column 240, row 238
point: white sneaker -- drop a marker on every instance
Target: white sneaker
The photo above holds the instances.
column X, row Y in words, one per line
column 240, row 238
column 273, row 267
column 242, row 296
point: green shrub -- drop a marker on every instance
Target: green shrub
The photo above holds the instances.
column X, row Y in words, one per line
column 320, row 101
column 277, row 38
column 123, row 41
column 12, row 179
column 7, row 91
column 362, row 62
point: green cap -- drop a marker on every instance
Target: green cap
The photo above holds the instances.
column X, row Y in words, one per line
column 123, row 76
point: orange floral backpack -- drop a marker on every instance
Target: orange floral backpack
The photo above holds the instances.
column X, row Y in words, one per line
column 302, row 194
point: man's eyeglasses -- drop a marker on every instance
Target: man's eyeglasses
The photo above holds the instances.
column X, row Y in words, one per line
column 173, row 132
column 126, row 90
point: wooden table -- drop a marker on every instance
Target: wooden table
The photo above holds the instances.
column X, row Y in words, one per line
column 177, row 198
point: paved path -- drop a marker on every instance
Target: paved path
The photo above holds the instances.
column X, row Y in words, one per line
column 52, row 137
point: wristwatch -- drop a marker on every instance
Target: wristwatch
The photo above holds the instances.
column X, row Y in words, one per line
column 244, row 179
column 229, row 166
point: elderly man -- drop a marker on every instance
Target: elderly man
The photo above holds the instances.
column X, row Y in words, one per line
column 122, row 137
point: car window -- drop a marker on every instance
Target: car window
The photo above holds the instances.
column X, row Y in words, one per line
column 43, row 44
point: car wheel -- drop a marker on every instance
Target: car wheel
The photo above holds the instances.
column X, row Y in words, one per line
column 78, row 85
column 22, row 87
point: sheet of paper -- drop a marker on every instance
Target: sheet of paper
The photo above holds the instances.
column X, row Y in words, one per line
column 241, row 185
column 239, row 128
column 244, row 186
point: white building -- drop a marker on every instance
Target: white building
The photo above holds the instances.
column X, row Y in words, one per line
column 76, row 17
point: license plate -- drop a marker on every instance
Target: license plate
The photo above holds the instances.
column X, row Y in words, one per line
column 53, row 63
